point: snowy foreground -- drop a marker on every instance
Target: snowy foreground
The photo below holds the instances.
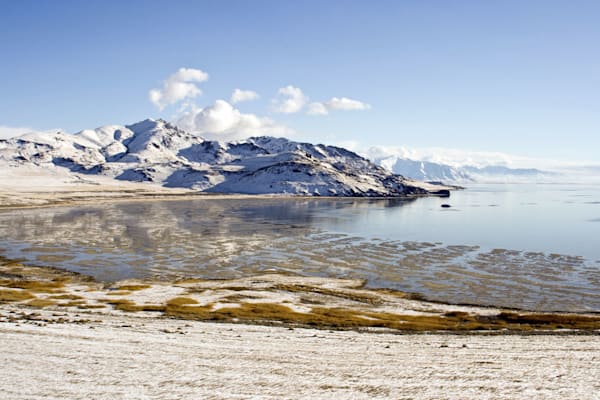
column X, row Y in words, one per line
column 132, row 357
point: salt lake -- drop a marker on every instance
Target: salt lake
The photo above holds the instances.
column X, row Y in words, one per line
column 523, row 246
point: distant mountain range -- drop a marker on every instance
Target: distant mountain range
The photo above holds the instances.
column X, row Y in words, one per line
column 430, row 171
column 156, row 151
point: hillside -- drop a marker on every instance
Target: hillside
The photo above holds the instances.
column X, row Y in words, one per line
column 158, row 152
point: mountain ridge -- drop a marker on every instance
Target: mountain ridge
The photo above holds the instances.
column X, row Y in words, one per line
column 432, row 171
column 159, row 152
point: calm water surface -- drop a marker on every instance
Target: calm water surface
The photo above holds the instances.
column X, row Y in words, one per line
column 524, row 246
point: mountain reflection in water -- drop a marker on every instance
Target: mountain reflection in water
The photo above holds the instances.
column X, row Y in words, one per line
column 228, row 238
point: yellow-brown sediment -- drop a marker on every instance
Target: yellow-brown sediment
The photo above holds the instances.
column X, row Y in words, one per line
column 8, row 295
column 181, row 301
column 65, row 297
column 40, row 303
column 119, row 293
column 302, row 302
column 130, row 306
column 132, row 287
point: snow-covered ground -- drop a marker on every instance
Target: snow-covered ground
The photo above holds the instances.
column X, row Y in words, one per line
column 68, row 355
column 31, row 185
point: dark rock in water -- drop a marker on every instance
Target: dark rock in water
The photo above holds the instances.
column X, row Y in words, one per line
column 441, row 193
column 446, row 206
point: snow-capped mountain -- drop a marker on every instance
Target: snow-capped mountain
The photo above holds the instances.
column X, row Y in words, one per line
column 156, row 151
column 430, row 171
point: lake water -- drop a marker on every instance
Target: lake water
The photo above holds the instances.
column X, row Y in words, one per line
column 526, row 246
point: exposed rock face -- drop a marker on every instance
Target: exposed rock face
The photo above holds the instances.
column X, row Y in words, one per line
column 156, row 151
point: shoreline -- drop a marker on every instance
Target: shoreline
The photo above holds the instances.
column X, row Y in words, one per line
column 32, row 189
column 77, row 198
column 287, row 297
column 271, row 299
column 77, row 338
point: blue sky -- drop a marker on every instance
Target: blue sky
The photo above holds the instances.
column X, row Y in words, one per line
column 517, row 77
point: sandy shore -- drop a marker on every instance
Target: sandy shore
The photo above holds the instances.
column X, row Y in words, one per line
column 75, row 355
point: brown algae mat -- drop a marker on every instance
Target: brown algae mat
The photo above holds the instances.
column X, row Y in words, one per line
column 270, row 299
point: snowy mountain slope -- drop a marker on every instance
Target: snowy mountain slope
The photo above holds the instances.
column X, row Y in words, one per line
column 156, row 151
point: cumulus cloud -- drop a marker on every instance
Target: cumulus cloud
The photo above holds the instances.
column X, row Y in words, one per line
column 317, row 109
column 239, row 95
column 336, row 103
column 222, row 121
column 289, row 100
column 179, row 86
column 344, row 103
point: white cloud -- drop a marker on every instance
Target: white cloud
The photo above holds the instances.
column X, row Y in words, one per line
column 344, row 103
column 239, row 95
column 336, row 103
column 179, row 86
column 289, row 100
column 317, row 109
column 221, row 121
